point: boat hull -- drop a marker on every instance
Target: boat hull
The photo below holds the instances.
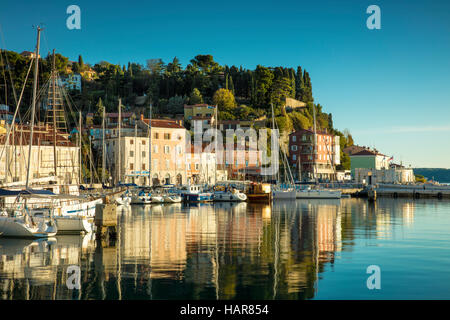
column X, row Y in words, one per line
column 318, row 194
column 67, row 224
column 15, row 228
column 198, row 197
column 284, row 195
column 229, row 196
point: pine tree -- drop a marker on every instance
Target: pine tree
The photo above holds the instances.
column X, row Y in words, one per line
column 231, row 85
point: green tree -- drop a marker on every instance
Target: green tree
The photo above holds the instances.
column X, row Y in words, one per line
column 224, row 99
column 195, row 97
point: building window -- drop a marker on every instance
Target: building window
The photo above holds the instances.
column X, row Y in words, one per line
column 143, row 166
column 131, row 153
column 143, row 154
column 131, row 141
column 294, row 157
column 166, row 149
column 294, row 138
column 143, row 142
column 155, row 149
column 167, row 164
column 131, row 166
column 196, row 166
column 304, row 137
column 156, row 135
column 294, row 148
column 155, row 164
column 167, row 136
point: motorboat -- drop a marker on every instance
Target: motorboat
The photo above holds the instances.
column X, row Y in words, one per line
column 141, row 197
column 172, row 198
column 124, row 199
column 259, row 192
column 229, row 194
column 194, row 193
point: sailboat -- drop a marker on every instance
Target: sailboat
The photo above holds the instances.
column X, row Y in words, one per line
column 19, row 223
column 124, row 199
column 318, row 193
column 283, row 191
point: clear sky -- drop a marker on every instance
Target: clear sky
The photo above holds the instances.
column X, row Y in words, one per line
column 389, row 87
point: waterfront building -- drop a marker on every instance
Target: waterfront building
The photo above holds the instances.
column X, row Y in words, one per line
column 202, row 166
column 369, row 159
column 13, row 162
column 308, row 164
column 198, row 110
column 132, row 165
column 395, row 173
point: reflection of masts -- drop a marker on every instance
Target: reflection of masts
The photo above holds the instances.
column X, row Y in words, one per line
column 276, row 253
column 33, row 104
column 79, row 146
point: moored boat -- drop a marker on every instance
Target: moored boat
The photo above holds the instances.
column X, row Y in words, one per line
column 259, row 192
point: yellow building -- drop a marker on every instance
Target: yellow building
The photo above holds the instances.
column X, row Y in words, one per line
column 198, row 110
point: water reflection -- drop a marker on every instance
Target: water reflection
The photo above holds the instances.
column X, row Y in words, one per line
column 207, row 251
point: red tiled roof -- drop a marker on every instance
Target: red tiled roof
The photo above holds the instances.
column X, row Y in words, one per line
column 367, row 153
column 164, row 123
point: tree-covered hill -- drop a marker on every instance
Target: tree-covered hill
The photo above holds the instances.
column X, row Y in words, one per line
column 240, row 93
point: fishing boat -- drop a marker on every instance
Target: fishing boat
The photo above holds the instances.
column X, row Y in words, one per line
column 194, row 193
column 259, row 192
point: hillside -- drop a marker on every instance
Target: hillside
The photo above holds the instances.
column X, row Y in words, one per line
column 438, row 174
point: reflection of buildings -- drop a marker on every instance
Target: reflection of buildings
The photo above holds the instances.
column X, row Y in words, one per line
column 207, row 251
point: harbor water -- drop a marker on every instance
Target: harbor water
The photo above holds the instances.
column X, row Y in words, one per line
column 303, row 249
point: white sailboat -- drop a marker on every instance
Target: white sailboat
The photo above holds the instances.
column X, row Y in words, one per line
column 283, row 191
column 19, row 223
column 319, row 193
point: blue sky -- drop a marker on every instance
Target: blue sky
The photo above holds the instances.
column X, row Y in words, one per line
column 389, row 87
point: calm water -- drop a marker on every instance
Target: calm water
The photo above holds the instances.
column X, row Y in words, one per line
column 303, row 249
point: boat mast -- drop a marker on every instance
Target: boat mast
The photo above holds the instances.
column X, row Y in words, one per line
column 33, row 105
column 119, row 125
column 103, row 148
column 215, row 149
column 314, row 143
column 273, row 132
column 79, row 148
column 135, row 150
column 150, row 147
column 53, row 75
